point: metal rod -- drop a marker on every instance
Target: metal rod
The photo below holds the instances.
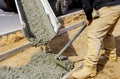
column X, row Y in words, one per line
column 61, row 31
column 13, row 51
column 69, row 14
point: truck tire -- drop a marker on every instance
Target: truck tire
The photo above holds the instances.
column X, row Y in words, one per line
column 64, row 4
column 58, row 8
column 55, row 5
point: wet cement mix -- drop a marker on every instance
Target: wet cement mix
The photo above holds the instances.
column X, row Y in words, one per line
column 38, row 30
column 41, row 66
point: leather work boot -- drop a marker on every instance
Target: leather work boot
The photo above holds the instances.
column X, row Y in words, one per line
column 84, row 73
column 109, row 57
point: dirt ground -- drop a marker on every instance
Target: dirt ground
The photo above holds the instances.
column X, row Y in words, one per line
column 11, row 41
column 76, row 52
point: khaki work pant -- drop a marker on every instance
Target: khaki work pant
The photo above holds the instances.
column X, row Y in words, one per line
column 100, row 32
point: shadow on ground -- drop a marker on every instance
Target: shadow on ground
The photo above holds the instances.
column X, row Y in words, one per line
column 58, row 42
column 102, row 63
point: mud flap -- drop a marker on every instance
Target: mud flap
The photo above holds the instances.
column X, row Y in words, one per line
column 39, row 23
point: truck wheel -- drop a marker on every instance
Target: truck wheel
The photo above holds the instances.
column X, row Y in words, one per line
column 64, row 6
column 61, row 7
column 55, row 5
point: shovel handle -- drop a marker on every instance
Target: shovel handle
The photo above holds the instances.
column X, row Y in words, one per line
column 71, row 40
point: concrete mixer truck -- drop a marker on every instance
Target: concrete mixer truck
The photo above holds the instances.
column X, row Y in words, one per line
column 60, row 7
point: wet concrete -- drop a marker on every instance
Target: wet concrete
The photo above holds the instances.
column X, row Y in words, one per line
column 38, row 29
column 41, row 66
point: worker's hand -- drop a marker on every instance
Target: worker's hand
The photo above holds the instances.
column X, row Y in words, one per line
column 88, row 22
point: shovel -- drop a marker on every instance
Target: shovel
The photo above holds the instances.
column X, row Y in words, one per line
column 57, row 57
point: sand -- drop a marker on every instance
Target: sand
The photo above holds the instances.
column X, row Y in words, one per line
column 11, row 41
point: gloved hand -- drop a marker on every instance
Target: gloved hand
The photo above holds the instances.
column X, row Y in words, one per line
column 95, row 15
column 88, row 22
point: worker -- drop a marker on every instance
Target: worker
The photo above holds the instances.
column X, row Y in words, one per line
column 99, row 33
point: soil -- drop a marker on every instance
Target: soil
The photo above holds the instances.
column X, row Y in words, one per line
column 76, row 52
column 11, row 41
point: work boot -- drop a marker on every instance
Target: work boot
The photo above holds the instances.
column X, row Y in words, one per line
column 110, row 57
column 85, row 72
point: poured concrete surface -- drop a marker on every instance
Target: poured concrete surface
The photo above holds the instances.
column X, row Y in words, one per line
column 41, row 66
column 38, row 27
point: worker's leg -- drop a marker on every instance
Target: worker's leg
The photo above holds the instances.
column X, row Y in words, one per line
column 109, row 46
column 97, row 31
